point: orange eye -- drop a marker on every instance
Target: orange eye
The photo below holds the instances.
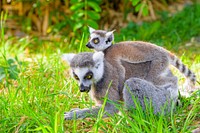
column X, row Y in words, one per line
column 88, row 76
column 95, row 41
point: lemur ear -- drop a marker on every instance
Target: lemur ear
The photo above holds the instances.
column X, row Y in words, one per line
column 68, row 57
column 91, row 29
column 109, row 33
column 98, row 57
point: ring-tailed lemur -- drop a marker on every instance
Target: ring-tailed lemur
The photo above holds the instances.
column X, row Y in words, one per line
column 134, row 52
column 100, row 78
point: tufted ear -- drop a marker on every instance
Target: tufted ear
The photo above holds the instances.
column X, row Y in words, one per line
column 110, row 37
column 91, row 29
column 98, row 57
column 110, row 33
column 68, row 57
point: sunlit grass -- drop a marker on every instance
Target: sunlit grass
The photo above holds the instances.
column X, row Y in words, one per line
column 43, row 91
column 35, row 101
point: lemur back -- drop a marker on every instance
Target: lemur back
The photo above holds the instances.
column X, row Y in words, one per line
column 135, row 52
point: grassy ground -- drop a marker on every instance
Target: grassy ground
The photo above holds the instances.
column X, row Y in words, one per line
column 36, row 89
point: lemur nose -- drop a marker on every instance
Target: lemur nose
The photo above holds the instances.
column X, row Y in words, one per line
column 89, row 45
column 82, row 88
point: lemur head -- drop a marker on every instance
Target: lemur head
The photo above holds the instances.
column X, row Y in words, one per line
column 86, row 68
column 100, row 39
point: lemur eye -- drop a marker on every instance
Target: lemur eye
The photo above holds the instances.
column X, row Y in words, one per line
column 95, row 40
column 88, row 76
column 75, row 76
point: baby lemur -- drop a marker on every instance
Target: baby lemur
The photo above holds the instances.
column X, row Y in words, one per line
column 138, row 52
column 98, row 76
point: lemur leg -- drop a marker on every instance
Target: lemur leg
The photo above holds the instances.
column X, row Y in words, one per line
column 160, row 73
column 90, row 112
column 139, row 88
column 158, row 67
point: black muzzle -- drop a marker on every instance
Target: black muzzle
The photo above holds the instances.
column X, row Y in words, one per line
column 84, row 88
column 89, row 45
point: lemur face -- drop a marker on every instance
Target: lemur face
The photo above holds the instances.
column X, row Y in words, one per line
column 100, row 40
column 85, row 77
column 86, row 68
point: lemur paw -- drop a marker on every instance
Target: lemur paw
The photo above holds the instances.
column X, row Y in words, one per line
column 74, row 109
column 70, row 115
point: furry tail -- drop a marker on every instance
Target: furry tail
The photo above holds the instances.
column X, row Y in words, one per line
column 182, row 68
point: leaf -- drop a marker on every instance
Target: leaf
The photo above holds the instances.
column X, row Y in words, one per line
column 77, row 6
column 77, row 15
column 92, row 23
column 137, row 8
column 145, row 10
column 2, row 69
column 13, row 72
column 2, row 76
column 2, row 73
column 13, row 76
column 10, row 61
column 93, row 15
column 95, row 6
column 135, row 2
column 78, row 25
column 74, row 1
column 14, row 68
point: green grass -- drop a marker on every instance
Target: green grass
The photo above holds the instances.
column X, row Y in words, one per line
column 41, row 90
column 170, row 30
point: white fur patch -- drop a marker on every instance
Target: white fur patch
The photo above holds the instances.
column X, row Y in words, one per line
column 80, row 72
column 91, row 29
column 68, row 57
column 165, row 73
column 101, row 46
column 94, row 35
column 173, row 92
column 97, row 74
column 98, row 57
column 109, row 33
column 180, row 66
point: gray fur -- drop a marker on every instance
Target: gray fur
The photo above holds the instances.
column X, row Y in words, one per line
column 98, row 93
column 142, row 89
column 101, row 33
column 112, row 83
column 138, row 52
column 82, row 60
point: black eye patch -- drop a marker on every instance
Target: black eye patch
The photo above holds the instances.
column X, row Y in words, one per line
column 88, row 75
column 108, row 40
column 75, row 76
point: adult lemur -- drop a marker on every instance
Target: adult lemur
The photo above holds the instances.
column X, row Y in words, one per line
column 98, row 76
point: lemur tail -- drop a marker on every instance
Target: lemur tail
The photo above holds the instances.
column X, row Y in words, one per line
column 182, row 68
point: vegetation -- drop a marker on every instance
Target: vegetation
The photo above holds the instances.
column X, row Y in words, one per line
column 49, row 17
column 36, row 89
column 170, row 32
